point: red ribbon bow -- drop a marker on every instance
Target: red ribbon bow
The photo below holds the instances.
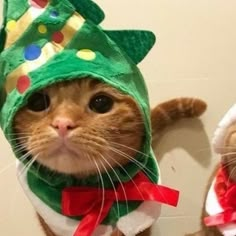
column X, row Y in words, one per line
column 88, row 202
column 226, row 194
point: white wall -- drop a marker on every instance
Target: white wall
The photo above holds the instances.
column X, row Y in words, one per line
column 195, row 55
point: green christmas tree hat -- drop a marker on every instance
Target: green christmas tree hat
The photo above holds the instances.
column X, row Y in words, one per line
column 43, row 42
column 48, row 41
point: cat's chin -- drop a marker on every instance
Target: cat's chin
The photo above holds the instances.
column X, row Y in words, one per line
column 67, row 162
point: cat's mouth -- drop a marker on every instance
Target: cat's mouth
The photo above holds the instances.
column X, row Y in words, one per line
column 64, row 159
column 65, row 149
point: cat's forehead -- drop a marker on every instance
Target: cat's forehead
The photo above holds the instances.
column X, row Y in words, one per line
column 84, row 85
column 88, row 83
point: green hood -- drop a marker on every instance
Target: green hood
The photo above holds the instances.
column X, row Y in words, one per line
column 60, row 40
column 48, row 41
column 45, row 42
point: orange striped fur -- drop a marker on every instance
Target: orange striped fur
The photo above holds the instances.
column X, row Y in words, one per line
column 168, row 112
column 71, row 100
column 162, row 115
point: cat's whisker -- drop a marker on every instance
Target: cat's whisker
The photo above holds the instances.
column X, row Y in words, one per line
column 7, row 167
column 228, row 163
column 228, row 153
column 121, row 184
column 103, row 191
column 33, row 149
column 91, row 159
column 229, row 160
column 18, row 134
column 38, row 168
column 21, row 148
column 147, row 175
column 98, row 141
column 50, row 173
column 113, row 186
column 21, row 144
column 21, row 174
column 122, row 145
column 130, row 158
column 27, row 167
column 127, row 175
column 22, row 159
column 34, row 143
column 231, row 174
column 24, row 167
column 19, row 138
column 114, row 135
column 14, row 133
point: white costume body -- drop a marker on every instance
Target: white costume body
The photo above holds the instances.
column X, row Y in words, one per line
column 213, row 206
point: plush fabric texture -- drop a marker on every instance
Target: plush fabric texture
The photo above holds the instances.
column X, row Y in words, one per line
column 49, row 187
column 59, row 224
column 136, row 221
column 214, row 207
column 44, row 42
column 219, row 135
column 215, row 203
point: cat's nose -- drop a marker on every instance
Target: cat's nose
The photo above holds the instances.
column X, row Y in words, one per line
column 63, row 126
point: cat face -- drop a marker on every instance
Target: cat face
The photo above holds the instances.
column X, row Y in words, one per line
column 80, row 127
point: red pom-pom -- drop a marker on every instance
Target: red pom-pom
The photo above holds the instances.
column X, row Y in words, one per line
column 23, row 84
column 39, row 3
column 230, row 196
column 58, row 37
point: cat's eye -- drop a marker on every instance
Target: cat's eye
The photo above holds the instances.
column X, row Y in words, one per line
column 101, row 103
column 38, row 102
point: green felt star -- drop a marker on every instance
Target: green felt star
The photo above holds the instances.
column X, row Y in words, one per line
column 89, row 10
column 136, row 43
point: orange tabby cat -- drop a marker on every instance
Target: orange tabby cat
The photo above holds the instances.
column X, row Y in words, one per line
column 207, row 231
column 81, row 126
column 224, row 144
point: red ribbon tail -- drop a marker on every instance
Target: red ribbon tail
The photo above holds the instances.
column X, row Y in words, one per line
column 90, row 222
column 157, row 193
column 167, row 195
column 220, row 219
column 88, row 202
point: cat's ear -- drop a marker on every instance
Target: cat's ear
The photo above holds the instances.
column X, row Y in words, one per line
column 136, row 43
column 89, row 10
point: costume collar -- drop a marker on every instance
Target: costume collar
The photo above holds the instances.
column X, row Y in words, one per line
column 146, row 163
column 225, row 192
column 219, row 135
column 95, row 203
column 49, row 186
column 70, row 197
